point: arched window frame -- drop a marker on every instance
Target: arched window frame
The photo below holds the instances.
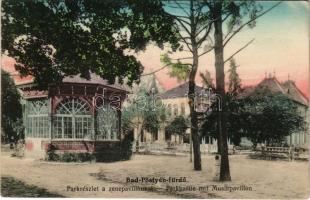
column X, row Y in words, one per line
column 37, row 122
column 73, row 120
column 107, row 121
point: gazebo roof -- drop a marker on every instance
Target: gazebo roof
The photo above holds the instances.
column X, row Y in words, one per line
column 94, row 79
column 29, row 90
column 77, row 79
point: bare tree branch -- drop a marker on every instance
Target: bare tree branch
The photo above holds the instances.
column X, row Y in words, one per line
column 205, row 36
column 180, row 6
column 155, row 71
column 248, row 22
column 187, row 44
column 182, row 20
column 247, row 44
column 183, row 26
column 178, row 16
column 226, row 17
column 206, row 52
column 184, row 58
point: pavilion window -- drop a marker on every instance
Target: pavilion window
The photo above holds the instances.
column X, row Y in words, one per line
column 37, row 122
column 73, row 120
column 57, row 129
column 107, row 123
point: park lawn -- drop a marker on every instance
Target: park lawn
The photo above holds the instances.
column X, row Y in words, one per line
column 11, row 187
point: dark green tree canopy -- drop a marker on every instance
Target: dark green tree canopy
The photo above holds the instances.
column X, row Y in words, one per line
column 270, row 118
column 11, row 109
column 177, row 126
column 260, row 118
column 234, row 83
column 147, row 107
column 51, row 39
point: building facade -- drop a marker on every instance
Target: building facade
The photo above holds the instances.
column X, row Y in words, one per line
column 77, row 115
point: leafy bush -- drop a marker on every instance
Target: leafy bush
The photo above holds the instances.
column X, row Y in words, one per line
column 11, row 110
column 51, row 153
column 68, row 157
column 126, row 148
column 85, row 157
column 122, row 151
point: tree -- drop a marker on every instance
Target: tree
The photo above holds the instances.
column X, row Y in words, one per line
column 234, row 83
column 53, row 39
column 192, row 22
column 11, row 109
column 231, row 12
column 144, row 112
column 269, row 118
column 234, row 105
column 177, row 126
column 207, row 80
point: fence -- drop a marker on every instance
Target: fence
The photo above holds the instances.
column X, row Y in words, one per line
column 277, row 152
column 179, row 148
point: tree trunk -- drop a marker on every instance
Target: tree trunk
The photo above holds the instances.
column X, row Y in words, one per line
column 220, row 88
column 193, row 114
column 191, row 91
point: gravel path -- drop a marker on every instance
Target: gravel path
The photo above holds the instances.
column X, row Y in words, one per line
column 266, row 179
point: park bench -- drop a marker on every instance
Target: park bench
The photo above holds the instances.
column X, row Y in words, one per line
column 280, row 152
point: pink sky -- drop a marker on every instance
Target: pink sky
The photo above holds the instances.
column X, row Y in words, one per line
column 281, row 45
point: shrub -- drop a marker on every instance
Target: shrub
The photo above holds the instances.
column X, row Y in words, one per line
column 84, row 157
column 51, row 153
column 126, row 148
column 69, row 157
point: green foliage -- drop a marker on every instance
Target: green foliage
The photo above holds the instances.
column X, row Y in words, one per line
column 68, row 157
column 11, row 115
column 148, row 108
column 234, row 124
column 11, row 187
column 239, row 10
column 51, row 153
column 126, row 148
column 259, row 118
column 234, row 83
column 52, row 39
column 177, row 69
column 207, row 80
column 177, row 126
column 233, row 107
column 71, row 157
column 270, row 118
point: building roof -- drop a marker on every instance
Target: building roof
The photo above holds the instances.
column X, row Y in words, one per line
column 94, row 79
column 271, row 86
column 180, row 91
column 294, row 92
column 148, row 82
column 26, row 81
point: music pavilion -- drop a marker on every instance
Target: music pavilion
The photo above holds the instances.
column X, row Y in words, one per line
column 77, row 115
